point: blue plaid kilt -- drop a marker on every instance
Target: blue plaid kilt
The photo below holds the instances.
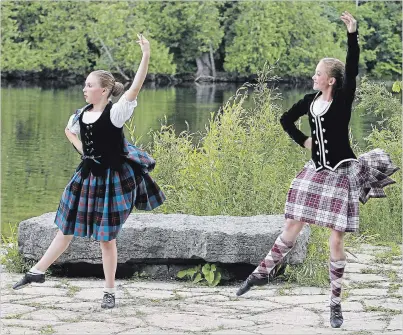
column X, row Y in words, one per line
column 98, row 206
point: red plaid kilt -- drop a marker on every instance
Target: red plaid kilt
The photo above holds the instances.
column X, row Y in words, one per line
column 98, row 206
column 330, row 198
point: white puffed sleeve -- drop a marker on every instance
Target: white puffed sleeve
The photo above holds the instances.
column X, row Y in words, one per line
column 122, row 111
column 74, row 128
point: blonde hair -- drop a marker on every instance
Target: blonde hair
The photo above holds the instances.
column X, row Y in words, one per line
column 107, row 80
column 335, row 68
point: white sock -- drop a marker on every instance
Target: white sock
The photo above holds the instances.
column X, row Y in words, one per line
column 110, row 290
column 36, row 271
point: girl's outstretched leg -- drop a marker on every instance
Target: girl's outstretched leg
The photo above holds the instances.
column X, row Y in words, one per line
column 282, row 246
column 37, row 273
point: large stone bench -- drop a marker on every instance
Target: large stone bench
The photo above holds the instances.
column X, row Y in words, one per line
column 170, row 239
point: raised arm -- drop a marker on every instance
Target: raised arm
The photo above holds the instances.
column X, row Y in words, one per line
column 352, row 59
column 133, row 91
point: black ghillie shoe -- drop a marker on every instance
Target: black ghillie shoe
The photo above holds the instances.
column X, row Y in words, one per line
column 336, row 316
column 29, row 278
column 108, row 301
column 251, row 281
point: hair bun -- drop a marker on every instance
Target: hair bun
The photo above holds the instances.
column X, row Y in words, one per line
column 117, row 89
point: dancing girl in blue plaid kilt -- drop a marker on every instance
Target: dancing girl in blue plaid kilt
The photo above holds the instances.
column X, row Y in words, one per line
column 328, row 189
column 111, row 180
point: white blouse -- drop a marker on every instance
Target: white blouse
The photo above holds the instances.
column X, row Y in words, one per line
column 319, row 106
column 121, row 111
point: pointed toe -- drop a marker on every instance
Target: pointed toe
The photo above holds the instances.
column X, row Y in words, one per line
column 249, row 282
column 28, row 279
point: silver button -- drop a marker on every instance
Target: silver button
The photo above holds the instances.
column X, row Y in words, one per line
column 313, row 132
column 326, row 151
column 91, row 126
column 88, row 127
column 317, row 152
column 327, row 162
column 324, row 129
column 313, row 120
column 316, row 142
column 322, row 119
column 325, row 141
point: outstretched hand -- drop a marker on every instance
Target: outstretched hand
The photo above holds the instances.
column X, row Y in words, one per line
column 350, row 22
column 144, row 43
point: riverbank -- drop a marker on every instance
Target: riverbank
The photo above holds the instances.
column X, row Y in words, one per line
column 65, row 78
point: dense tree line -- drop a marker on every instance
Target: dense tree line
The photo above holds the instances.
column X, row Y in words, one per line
column 197, row 37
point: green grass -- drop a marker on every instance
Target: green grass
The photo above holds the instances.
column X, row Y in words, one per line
column 388, row 311
column 72, row 290
column 393, row 288
column 387, row 257
column 10, row 257
column 47, row 330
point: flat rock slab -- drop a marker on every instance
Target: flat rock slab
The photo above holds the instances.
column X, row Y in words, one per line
column 170, row 239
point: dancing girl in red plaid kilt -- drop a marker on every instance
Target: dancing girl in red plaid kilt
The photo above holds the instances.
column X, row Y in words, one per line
column 328, row 189
column 112, row 179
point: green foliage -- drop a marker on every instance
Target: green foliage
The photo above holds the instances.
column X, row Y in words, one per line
column 16, row 52
column 383, row 216
column 76, row 36
column 291, row 33
column 379, row 24
column 10, row 256
column 397, row 86
column 208, row 274
column 51, row 35
column 384, row 38
column 187, row 28
column 118, row 32
column 241, row 147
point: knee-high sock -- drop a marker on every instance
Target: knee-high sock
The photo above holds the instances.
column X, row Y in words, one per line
column 279, row 250
column 336, row 271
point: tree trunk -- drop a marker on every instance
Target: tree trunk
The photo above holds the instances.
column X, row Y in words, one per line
column 212, row 61
column 111, row 58
column 204, row 68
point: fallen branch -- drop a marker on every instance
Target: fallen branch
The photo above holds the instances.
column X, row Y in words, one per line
column 204, row 77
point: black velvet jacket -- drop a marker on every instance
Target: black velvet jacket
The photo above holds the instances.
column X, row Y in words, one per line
column 329, row 130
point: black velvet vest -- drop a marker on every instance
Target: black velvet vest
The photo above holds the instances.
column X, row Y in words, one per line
column 102, row 144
